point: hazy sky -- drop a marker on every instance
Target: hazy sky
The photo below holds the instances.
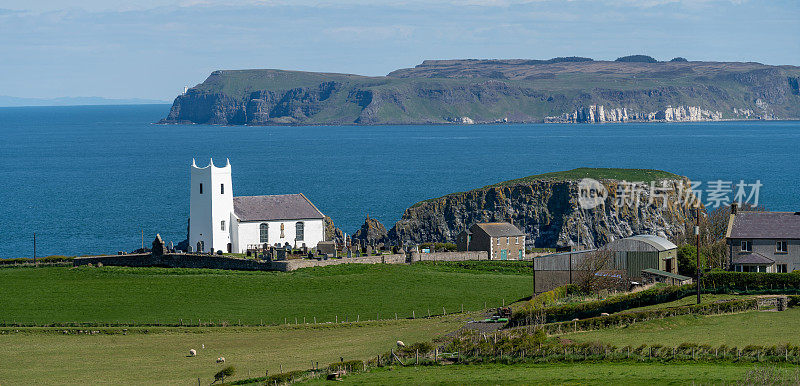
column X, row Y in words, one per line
column 151, row 49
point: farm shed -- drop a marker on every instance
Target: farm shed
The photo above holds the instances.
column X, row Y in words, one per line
column 641, row 252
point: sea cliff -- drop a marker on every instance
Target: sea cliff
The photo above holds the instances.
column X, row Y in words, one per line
column 547, row 208
column 560, row 90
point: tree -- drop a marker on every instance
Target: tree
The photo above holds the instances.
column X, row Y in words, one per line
column 594, row 272
column 687, row 260
column 226, row 372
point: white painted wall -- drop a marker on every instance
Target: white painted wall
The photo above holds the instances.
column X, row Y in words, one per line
column 249, row 233
column 209, row 209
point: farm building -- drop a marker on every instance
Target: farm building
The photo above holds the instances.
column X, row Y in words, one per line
column 502, row 240
column 629, row 257
column 645, row 251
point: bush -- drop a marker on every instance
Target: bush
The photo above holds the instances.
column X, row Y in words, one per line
column 354, row 365
column 226, row 372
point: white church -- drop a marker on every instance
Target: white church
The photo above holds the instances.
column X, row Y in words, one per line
column 218, row 221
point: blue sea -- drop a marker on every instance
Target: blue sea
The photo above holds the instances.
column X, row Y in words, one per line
column 91, row 179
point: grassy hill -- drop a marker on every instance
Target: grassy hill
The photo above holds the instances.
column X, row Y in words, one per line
column 492, row 91
column 42, row 296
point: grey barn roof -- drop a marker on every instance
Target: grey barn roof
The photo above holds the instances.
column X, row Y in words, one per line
column 279, row 207
column 500, row 229
column 657, row 243
column 765, row 225
column 753, row 258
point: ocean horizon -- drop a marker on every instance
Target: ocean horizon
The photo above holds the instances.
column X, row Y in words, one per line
column 92, row 179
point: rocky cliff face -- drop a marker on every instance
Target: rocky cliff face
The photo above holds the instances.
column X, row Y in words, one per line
column 497, row 91
column 600, row 114
column 548, row 211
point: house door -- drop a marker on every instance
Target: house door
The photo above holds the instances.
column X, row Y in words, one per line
column 504, row 254
column 230, row 247
column 520, row 254
column 669, row 265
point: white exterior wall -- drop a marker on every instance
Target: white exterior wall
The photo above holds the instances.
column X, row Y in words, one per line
column 249, row 233
column 209, row 209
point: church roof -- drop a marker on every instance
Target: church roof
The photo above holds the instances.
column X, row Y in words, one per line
column 278, row 207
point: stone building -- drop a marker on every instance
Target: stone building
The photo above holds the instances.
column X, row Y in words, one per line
column 763, row 241
column 502, row 240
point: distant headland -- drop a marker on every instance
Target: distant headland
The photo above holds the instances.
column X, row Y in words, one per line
column 634, row 88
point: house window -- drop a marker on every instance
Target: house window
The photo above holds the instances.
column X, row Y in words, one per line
column 264, row 231
column 508, row 240
column 498, row 241
column 516, row 240
column 299, row 229
column 201, row 188
column 221, row 188
column 781, row 247
column 222, row 225
column 782, row 268
column 747, row 246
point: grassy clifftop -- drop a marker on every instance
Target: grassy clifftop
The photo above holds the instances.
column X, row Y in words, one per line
column 632, row 175
column 493, row 91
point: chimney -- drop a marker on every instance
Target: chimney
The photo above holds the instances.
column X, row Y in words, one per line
column 734, row 207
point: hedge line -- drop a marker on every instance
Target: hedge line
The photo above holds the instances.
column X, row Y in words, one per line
column 46, row 259
column 714, row 282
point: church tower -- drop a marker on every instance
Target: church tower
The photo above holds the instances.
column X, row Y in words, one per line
column 210, row 207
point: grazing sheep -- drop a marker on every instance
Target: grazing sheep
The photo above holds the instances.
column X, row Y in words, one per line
column 192, row 353
column 604, row 314
column 221, row 360
column 204, row 346
column 400, row 343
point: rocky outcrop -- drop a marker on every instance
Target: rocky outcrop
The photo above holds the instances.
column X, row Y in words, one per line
column 600, row 114
column 371, row 232
column 548, row 211
column 331, row 231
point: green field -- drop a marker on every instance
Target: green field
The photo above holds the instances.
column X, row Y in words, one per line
column 633, row 175
column 43, row 356
column 754, row 327
column 578, row 373
column 40, row 296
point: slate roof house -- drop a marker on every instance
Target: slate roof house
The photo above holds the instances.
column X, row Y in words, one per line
column 502, row 240
column 763, row 241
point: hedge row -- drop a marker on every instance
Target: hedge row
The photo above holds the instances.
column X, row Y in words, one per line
column 714, row 282
column 623, row 319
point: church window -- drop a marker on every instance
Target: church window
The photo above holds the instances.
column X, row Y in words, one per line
column 222, row 225
column 221, row 188
column 264, row 228
column 299, row 231
column 201, row 188
column 282, row 234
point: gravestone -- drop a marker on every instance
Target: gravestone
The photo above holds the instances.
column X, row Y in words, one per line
column 159, row 249
column 281, row 254
column 368, row 250
column 349, row 252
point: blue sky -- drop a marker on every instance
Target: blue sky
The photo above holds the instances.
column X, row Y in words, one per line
column 151, row 49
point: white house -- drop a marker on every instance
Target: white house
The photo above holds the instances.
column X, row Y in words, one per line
column 218, row 221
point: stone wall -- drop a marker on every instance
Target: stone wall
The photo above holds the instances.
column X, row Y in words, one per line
column 291, row 265
column 176, row 260
column 450, row 256
column 188, row 260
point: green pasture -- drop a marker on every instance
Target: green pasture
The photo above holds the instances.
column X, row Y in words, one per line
column 42, row 296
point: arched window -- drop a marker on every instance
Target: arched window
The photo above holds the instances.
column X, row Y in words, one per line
column 299, row 230
column 264, row 228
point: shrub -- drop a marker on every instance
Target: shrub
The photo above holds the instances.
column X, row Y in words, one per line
column 226, row 372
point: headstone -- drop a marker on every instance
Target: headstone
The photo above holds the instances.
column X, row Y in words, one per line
column 159, row 249
column 349, row 253
column 368, row 250
column 326, row 247
column 188, row 249
column 281, row 254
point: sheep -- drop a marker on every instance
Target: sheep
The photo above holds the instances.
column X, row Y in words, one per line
column 192, row 353
column 221, row 360
column 400, row 343
column 604, row 314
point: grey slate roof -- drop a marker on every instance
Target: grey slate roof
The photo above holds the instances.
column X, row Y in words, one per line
column 500, row 229
column 753, row 258
column 766, row 225
column 666, row 274
column 279, row 207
